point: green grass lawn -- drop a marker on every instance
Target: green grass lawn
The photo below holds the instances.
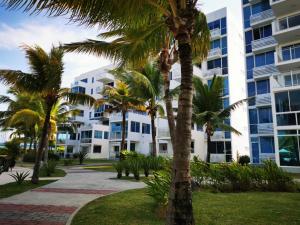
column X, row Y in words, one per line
column 10, row 189
column 252, row 208
column 57, row 173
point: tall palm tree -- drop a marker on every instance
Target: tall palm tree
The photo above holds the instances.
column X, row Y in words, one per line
column 208, row 108
column 45, row 81
column 141, row 28
column 147, row 83
column 121, row 99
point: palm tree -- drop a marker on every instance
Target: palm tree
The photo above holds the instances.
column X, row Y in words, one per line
column 208, row 108
column 45, row 81
column 147, row 83
column 140, row 28
column 121, row 99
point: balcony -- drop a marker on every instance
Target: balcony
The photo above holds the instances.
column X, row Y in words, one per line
column 215, row 34
column 265, row 129
column 163, row 133
column 210, row 73
column 86, row 140
column 283, row 7
column 263, row 100
column 106, row 78
column 287, row 29
column 261, row 19
column 290, row 79
column 264, row 71
column 117, row 135
column 263, row 45
column 214, row 53
column 287, row 62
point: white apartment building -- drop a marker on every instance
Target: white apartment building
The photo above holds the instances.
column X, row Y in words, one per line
column 100, row 133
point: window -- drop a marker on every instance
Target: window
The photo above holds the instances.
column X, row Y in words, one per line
column 214, row 64
column 289, row 150
column 260, row 7
column 247, row 14
column 295, row 100
column 97, row 149
column 92, row 91
column 90, row 115
column 262, row 32
column 192, row 146
column 250, row 66
column 267, row 145
column 224, row 45
column 263, row 87
column 225, row 87
column 265, row 115
column 84, row 80
column 135, row 127
column 289, row 22
column 70, row 149
column 291, row 52
column 78, row 89
column 263, row 59
column 245, row 2
column 251, row 89
column 199, row 127
column 145, row 128
column 225, row 103
column 286, row 119
column 255, row 152
column 86, row 134
column 253, row 119
column 215, row 44
column 93, row 79
column 282, row 102
column 163, row 147
column 73, row 136
column 105, row 134
column 223, row 26
column 248, row 39
column 98, row 134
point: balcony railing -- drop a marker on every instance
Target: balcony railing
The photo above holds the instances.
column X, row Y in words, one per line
column 262, row 17
column 117, row 135
column 86, row 140
column 214, row 53
column 263, row 100
column 163, row 133
column 264, row 71
column 215, row 33
column 287, row 80
column 265, row 128
column 212, row 72
column 264, row 43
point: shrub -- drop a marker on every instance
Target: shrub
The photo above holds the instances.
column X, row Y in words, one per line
column 199, row 171
column 13, row 148
column 53, row 156
column 11, row 162
column 276, row 178
column 126, row 167
column 244, row 160
column 82, row 156
column 4, row 164
column 49, row 168
column 3, row 151
column 20, row 177
column 68, row 162
column 119, row 168
column 135, row 166
column 75, row 155
column 159, row 186
column 158, row 163
column 146, row 165
column 29, row 157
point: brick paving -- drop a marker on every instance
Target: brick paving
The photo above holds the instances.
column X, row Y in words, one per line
column 54, row 204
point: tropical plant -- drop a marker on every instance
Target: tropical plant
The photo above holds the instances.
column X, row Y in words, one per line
column 82, row 155
column 244, row 160
column 49, row 168
column 135, row 164
column 138, row 29
column 147, row 83
column 19, row 177
column 44, row 81
column 208, row 108
column 119, row 168
column 121, row 99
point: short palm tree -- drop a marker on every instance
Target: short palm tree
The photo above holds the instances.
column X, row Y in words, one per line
column 140, row 28
column 208, row 108
column 121, row 99
column 45, row 81
column 147, row 84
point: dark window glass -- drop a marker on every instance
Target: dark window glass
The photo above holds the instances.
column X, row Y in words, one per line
column 286, row 119
column 132, row 146
column 265, row 115
column 263, row 87
column 295, row 100
column 294, row 20
column 253, row 129
column 135, row 127
column 255, row 153
column 282, row 102
column 247, row 14
column 260, row 7
column 250, row 65
column 97, row 149
column 248, row 39
column 289, row 150
column 298, row 118
column 224, row 45
column 220, row 147
column 105, row 134
column 226, row 87
column 245, row 2
column 223, row 26
column 253, row 116
column 260, row 60
column 251, row 101
column 287, row 132
column 251, row 89
column 270, row 58
column 267, row 145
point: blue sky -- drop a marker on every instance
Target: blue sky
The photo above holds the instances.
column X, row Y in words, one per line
column 17, row 28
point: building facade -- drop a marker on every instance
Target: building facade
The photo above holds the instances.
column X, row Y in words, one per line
column 272, row 48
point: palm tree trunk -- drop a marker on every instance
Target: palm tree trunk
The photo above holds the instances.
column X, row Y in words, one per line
column 46, row 150
column 123, row 131
column 208, row 148
column 30, row 143
column 180, row 209
column 153, row 133
column 39, row 153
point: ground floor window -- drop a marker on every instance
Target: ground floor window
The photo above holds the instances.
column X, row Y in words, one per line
column 193, row 147
column 97, row 148
column 221, row 147
column 289, row 146
column 70, row 149
column 132, row 146
column 163, row 147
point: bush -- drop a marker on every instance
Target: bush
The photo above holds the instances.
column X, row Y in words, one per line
column 13, row 148
column 82, row 156
column 49, row 168
column 146, row 165
column 53, row 156
column 126, row 167
column 119, row 168
column 29, row 157
column 68, row 162
column 135, row 165
column 4, row 165
column 20, row 177
column 199, row 171
column 3, row 151
column 244, row 160
column 75, row 155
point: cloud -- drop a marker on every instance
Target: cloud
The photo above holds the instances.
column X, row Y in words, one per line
column 51, row 33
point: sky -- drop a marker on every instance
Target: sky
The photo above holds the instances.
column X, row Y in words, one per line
column 18, row 28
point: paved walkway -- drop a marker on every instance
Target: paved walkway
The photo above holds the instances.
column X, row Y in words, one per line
column 54, row 204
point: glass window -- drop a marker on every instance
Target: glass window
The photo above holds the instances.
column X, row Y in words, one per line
column 250, row 65
column 105, row 134
column 132, row 146
column 251, row 89
column 286, row 119
column 253, row 116
column 220, row 147
column 267, row 145
column 294, row 20
column 298, row 118
column 247, row 14
column 225, row 103
column 97, row 149
column 260, row 7
column 135, row 127
column 263, row 59
column 248, row 39
column 289, row 150
column 282, row 102
column 245, row 2
column 98, row 134
column 255, row 153
column 223, row 26
column 145, row 128
column 86, row 134
column 84, row 80
column 93, row 79
column 263, row 87
column 295, row 100
column 192, row 146
column 265, row 115
column 226, row 87
column 224, row 45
